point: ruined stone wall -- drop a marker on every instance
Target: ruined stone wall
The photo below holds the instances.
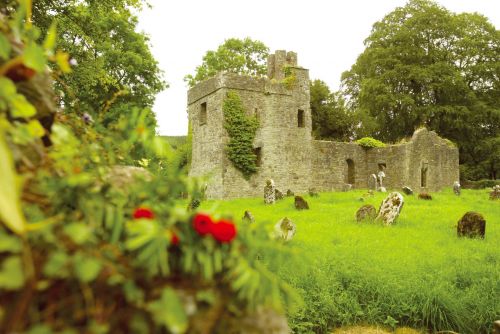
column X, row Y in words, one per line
column 289, row 155
column 402, row 163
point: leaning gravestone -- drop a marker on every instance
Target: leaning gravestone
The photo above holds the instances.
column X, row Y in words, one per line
column 269, row 192
column 390, row 208
column 471, row 225
column 366, row 212
column 300, row 203
column 457, row 188
column 495, row 193
column 285, row 229
column 289, row 193
column 248, row 217
column 278, row 194
column 407, row 190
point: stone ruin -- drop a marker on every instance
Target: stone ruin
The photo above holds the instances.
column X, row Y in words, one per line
column 285, row 150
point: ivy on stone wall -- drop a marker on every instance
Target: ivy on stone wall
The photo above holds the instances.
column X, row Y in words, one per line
column 241, row 130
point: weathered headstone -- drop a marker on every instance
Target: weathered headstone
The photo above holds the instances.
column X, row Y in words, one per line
column 248, row 217
column 366, row 212
column 495, row 192
column 313, row 192
column 346, row 187
column 289, row 193
column 382, row 189
column 380, row 178
column 471, row 225
column 390, row 208
column 407, row 190
column 269, row 192
column 425, row 196
column 457, row 188
column 278, row 194
column 285, row 229
column 372, row 182
column 301, row 203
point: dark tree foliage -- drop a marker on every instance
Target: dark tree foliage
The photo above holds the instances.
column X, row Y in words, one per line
column 115, row 69
column 330, row 117
column 426, row 66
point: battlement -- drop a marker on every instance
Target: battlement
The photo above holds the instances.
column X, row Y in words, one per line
column 278, row 61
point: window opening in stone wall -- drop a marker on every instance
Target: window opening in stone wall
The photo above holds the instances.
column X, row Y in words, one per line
column 350, row 172
column 423, row 174
column 203, row 113
column 258, row 156
column 300, row 118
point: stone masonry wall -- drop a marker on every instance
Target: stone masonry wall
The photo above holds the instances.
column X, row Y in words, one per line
column 289, row 155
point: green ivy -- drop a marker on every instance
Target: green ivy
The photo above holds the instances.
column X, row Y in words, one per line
column 241, row 130
column 369, row 142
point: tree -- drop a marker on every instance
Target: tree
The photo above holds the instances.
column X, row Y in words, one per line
column 115, row 69
column 330, row 118
column 426, row 66
column 247, row 57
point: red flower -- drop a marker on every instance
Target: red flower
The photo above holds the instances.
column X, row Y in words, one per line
column 143, row 212
column 202, row 224
column 224, row 231
column 174, row 240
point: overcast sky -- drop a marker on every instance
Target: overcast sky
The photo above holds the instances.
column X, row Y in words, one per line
column 327, row 36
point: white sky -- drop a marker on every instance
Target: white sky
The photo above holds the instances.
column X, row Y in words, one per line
column 327, row 36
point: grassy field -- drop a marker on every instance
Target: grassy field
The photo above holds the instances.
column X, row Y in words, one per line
column 416, row 273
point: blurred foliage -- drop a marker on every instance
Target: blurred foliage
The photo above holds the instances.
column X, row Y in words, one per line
column 75, row 256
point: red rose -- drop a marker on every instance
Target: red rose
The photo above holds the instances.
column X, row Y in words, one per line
column 202, row 224
column 174, row 240
column 224, row 231
column 143, row 212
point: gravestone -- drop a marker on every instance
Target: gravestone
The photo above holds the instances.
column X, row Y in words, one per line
column 269, row 192
column 278, row 194
column 495, row 193
column 471, row 225
column 390, row 208
column 425, row 196
column 366, row 212
column 382, row 189
column 301, row 203
column 457, row 188
column 407, row 190
column 346, row 187
column 285, row 229
column 372, row 182
column 248, row 217
column 289, row 193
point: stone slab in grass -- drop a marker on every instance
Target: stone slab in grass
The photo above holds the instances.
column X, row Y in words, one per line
column 472, row 225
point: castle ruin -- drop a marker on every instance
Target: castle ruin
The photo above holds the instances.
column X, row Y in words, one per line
column 285, row 149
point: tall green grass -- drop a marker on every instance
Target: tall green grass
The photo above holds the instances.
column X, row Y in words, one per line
column 415, row 273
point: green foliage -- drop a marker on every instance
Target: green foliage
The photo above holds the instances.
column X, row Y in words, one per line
column 368, row 142
column 426, row 66
column 416, row 272
column 85, row 262
column 241, row 130
column 246, row 57
column 330, row 117
column 115, row 69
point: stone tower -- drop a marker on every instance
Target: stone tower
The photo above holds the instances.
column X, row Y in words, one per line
column 283, row 140
column 285, row 150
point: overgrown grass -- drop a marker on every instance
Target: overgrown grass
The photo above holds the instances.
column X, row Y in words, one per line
column 416, row 273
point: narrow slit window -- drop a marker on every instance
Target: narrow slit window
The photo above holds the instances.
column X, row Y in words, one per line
column 258, row 156
column 300, row 118
column 203, row 113
column 423, row 175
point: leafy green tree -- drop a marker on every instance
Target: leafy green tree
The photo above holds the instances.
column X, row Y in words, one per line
column 330, row 117
column 426, row 66
column 115, row 69
column 234, row 55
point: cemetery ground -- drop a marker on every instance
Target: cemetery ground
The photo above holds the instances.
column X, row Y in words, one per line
column 415, row 273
